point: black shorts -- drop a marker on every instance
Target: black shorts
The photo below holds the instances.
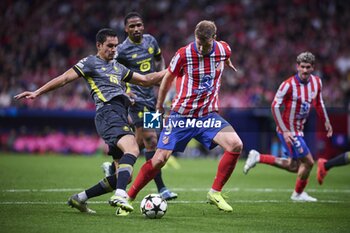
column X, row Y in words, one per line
column 136, row 113
column 115, row 152
column 112, row 123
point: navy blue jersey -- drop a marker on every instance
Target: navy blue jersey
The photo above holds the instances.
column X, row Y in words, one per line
column 139, row 57
column 106, row 80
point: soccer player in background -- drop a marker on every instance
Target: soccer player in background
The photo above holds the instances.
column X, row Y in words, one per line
column 140, row 53
column 198, row 69
column 295, row 95
column 106, row 79
column 323, row 165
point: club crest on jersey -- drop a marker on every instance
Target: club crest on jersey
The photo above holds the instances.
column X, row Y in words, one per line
column 205, row 84
column 134, row 55
column 304, row 110
column 126, row 128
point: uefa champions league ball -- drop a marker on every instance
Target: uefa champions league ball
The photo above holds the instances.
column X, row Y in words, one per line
column 153, row 206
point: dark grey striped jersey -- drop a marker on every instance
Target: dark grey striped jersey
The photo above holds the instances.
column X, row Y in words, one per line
column 106, row 80
column 139, row 57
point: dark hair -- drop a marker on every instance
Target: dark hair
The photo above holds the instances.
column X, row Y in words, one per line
column 131, row 15
column 102, row 34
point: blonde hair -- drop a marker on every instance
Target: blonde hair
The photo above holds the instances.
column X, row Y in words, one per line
column 306, row 57
column 205, row 30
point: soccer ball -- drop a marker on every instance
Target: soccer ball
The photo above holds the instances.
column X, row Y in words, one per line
column 153, row 206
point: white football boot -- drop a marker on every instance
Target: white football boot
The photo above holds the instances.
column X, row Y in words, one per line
column 252, row 160
column 302, row 197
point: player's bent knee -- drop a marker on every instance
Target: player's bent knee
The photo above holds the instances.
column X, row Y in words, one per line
column 135, row 152
column 236, row 146
column 159, row 162
column 160, row 158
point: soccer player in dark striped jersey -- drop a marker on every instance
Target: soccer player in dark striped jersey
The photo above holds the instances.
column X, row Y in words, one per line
column 106, row 80
column 140, row 53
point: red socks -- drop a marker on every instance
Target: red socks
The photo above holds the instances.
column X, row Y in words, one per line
column 300, row 185
column 226, row 166
column 145, row 175
column 268, row 159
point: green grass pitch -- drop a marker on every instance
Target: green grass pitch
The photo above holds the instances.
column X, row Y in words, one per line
column 34, row 191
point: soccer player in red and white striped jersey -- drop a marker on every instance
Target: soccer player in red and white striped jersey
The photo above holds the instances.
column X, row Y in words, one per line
column 199, row 78
column 197, row 68
column 295, row 95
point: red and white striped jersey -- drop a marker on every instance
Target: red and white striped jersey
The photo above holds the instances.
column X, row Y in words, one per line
column 198, row 79
column 297, row 98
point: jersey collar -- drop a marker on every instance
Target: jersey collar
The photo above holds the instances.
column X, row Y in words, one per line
column 212, row 50
column 133, row 42
column 301, row 81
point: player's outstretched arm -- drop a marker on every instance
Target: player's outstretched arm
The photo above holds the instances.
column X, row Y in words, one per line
column 148, row 79
column 53, row 84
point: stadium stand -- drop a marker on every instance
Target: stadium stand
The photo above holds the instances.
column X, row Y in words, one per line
column 40, row 40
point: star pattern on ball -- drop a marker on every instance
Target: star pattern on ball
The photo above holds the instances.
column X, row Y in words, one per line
column 153, row 206
column 156, row 208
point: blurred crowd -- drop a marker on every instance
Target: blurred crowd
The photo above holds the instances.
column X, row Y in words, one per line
column 41, row 39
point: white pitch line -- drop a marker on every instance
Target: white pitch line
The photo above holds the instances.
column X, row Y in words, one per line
column 254, row 190
column 41, row 190
column 170, row 202
column 263, row 190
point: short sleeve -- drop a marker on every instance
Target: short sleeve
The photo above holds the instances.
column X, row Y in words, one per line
column 83, row 67
column 176, row 64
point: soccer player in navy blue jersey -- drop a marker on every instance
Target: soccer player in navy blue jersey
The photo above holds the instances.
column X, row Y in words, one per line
column 141, row 53
column 106, row 80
